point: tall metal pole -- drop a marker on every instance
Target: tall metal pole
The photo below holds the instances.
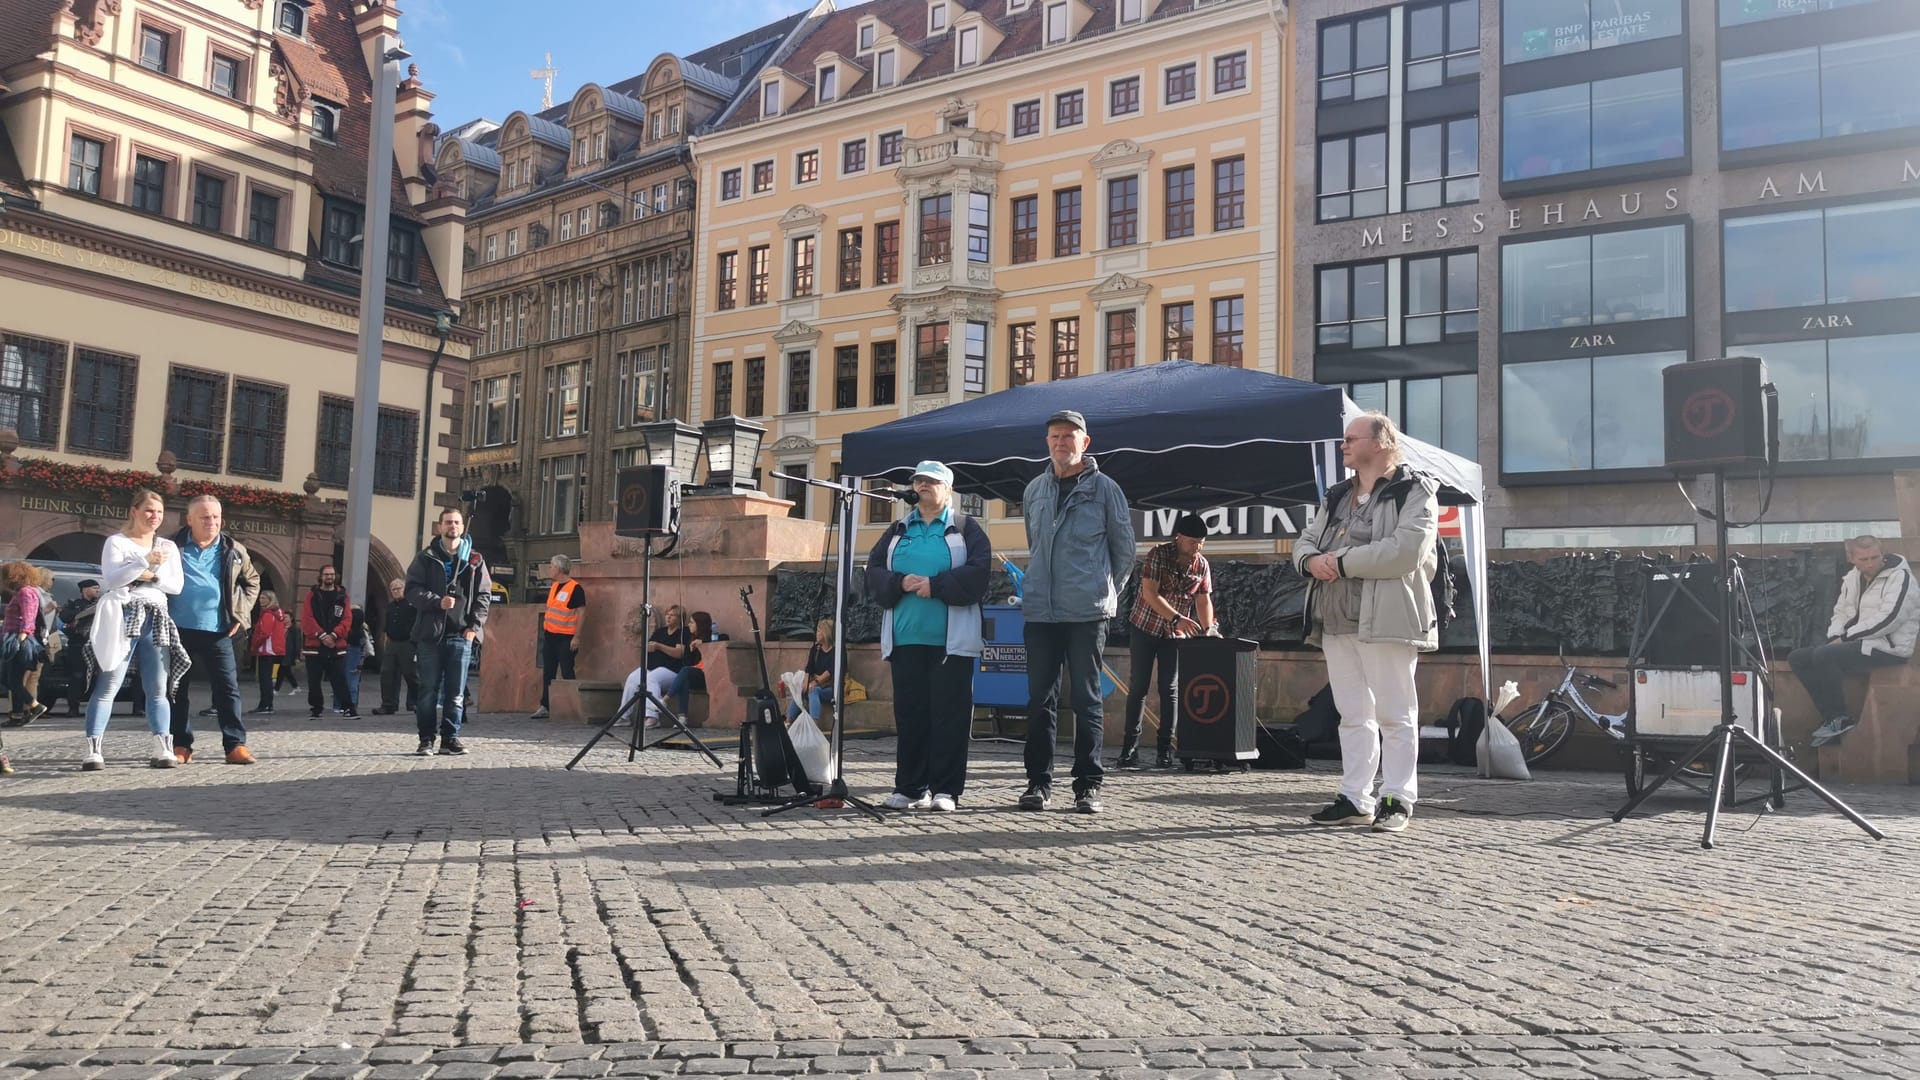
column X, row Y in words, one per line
column 373, row 318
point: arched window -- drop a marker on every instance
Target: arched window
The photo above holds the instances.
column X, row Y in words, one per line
column 326, row 122
column 292, row 18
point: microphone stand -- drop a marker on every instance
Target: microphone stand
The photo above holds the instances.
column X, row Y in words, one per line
column 845, row 496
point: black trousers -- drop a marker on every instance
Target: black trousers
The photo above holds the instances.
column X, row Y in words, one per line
column 1153, row 659
column 331, row 665
column 1823, row 670
column 556, row 658
column 932, row 710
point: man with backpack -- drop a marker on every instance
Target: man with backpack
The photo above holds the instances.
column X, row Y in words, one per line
column 448, row 584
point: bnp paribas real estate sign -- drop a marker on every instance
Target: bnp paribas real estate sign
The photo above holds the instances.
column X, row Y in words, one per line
column 1562, row 28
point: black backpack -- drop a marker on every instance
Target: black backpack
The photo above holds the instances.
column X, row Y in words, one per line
column 1465, row 721
column 1445, row 589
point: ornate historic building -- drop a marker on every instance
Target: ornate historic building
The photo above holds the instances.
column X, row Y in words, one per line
column 578, row 260
column 923, row 201
column 181, row 205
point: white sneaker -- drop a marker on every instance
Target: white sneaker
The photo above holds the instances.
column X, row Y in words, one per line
column 92, row 761
column 924, row 802
column 895, row 801
column 943, row 803
column 161, row 756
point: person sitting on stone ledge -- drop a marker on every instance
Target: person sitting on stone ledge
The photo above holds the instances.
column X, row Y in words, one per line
column 1874, row 624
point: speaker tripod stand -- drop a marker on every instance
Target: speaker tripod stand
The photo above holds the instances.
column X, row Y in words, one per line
column 1723, row 739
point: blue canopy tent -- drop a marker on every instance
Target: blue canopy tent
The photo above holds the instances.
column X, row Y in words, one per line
column 1178, row 435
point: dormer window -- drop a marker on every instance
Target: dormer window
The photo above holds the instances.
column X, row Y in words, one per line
column 827, row 84
column 1016, row 6
column 291, row 18
column 1131, row 11
column 967, row 47
column 868, row 32
column 885, row 69
column 770, row 99
column 937, row 18
column 513, row 174
column 600, row 146
column 1056, row 23
column 326, row 122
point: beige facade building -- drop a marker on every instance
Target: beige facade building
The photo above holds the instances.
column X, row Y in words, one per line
column 183, row 189
column 579, row 264
column 925, row 201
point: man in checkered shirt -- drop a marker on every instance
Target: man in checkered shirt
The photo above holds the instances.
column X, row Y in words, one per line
column 1175, row 601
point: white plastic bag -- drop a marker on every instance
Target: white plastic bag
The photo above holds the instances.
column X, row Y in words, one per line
column 812, row 748
column 1498, row 752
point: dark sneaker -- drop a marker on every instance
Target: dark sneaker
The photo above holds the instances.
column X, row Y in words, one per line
column 1342, row 812
column 425, row 749
column 1164, row 761
column 313, row 714
column 1128, row 760
column 264, row 710
column 1392, row 815
column 1831, row 731
column 452, row 747
column 1088, row 802
column 1036, row 797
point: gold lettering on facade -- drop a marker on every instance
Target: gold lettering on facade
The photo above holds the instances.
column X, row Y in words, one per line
column 70, row 507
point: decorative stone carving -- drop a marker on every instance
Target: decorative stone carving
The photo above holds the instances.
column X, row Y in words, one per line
column 796, row 333
column 793, row 443
column 1120, row 156
column 801, row 218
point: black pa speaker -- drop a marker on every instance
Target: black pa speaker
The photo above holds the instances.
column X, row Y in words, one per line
column 647, row 501
column 1716, row 413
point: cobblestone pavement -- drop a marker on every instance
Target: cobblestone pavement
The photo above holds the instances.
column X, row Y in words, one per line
column 497, row 916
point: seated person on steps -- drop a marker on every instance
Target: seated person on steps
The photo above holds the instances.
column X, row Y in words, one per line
column 1874, row 623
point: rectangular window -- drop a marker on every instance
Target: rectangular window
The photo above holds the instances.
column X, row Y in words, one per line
column 793, row 488
column 723, row 388
column 1229, row 194
column 637, row 400
column 1069, row 109
column 1583, row 413
column 799, row 382
column 846, row 377
column 257, row 430
column 930, row 358
column 886, row 238
column 885, row 375
column 770, row 99
column 1026, row 229
column 886, row 67
column 1442, row 411
column 224, row 78
column 513, row 242
column 403, row 256
column 1838, row 255
column 196, row 418
column 1353, row 176
column 563, row 497
column 101, row 403
column 209, row 201
column 759, row 274
column 853, row 157
column 1536, row 29
column 1131, row 11
column 1442, row 299
column 1353, row 59
column 156, row 50
column 1056, row 26
column 979, row 227
column 1600, row 125
column 339, row 237
column 1123, row 211
column 851, row 241
column 727, row 291
column 567, row 389
column 1176, row 330
column 1824, row 91
column 333, row 448
column 1229, row 330
column 396, row 450
column 1844, row 398
column 1022, row 348
column 827, row 84
column 263, row 218
column 968, row 48
column 1230, row 72
column 1066, row 222
column 729, row 185
column 973, row 372
column 83, row 165
column 1122, row 339
column 756, row 397
column 800, row 256
column 1443, row 163
column 762, row 177
column 33, row 372
column 1179, row 212
column 1578, row 281
column 149, row 184
column 936, row 230
column 1066, row 348
column 1123, row 96
column 880, row 511
column 892, row 147
column 1352, row 307
column 1183, row 83
column 1026, row 118
column 806, row 167
column 1443, row 43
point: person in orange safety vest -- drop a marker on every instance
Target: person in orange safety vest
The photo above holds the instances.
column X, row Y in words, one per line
column 566, row 604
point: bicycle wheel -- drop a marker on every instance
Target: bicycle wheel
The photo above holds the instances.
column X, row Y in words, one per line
column 1542, row 730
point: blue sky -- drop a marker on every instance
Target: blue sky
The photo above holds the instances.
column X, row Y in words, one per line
column 475, row 54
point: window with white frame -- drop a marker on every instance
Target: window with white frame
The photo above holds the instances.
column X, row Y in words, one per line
column 869, row 31
column 885, row 69
column 1056, row 28
column 826, row 84
column 967, row 47
column 937, row 17
column 770, row 99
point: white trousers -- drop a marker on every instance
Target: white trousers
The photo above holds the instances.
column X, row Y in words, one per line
column 1379, row 707
column 656, row 680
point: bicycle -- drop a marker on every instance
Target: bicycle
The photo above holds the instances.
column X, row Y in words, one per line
column 1544, row 727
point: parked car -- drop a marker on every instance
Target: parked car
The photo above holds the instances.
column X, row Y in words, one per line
column 55, row 678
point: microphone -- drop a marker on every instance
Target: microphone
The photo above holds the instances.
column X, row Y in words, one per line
column 905, row 495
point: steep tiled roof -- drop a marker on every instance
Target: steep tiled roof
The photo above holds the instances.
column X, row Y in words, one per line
column 26, row 29
column 13, row 179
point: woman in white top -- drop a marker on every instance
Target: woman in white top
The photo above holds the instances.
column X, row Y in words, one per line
column 139, row 569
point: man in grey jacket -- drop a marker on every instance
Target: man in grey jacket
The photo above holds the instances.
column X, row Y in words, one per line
column 1080, row 550
column 1370, row 556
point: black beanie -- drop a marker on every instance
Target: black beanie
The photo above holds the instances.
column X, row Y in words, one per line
column 1190, row 525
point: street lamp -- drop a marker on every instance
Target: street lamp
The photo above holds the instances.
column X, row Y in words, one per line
column 674, row 444
column 442, row 330
column 733, row 446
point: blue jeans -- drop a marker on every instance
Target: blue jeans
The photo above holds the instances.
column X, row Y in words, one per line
column 355, row 657
column 1075, row 646
column 153, row 677
column 443, row 682
column 212, row 652
column 688, row 680
column 817, row 698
